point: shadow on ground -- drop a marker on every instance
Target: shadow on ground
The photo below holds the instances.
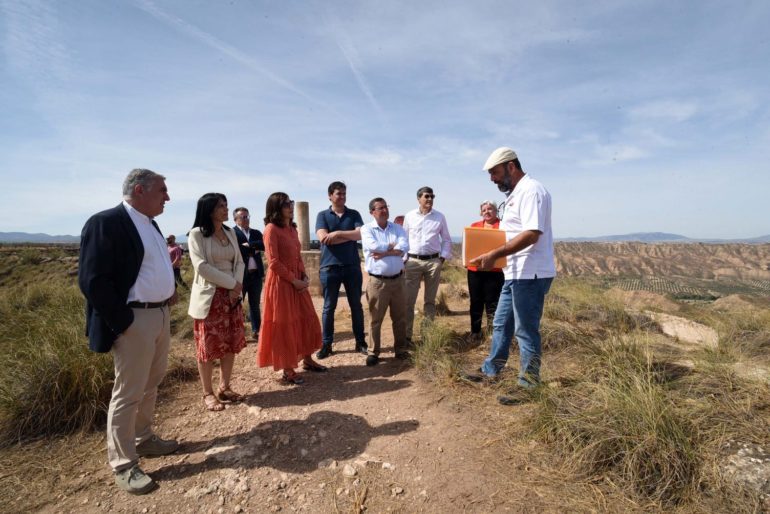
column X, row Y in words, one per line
column 348, row 382
column 292, row 445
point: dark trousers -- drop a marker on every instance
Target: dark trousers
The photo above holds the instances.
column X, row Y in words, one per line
column 178, row 277
column 484, row 289
column 332, row 277
column 252, row 289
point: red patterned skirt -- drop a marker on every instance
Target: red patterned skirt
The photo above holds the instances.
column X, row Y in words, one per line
column 221, row 331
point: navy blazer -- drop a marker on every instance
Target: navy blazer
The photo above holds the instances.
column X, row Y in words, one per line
column 256, row 245
column 111, row 253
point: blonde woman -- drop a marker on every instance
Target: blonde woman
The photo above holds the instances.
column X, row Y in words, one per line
column 484, row 286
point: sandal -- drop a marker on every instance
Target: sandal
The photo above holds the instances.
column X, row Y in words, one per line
column 292, row 379
column 227, row 395
column 212, row 405
column 314, row 366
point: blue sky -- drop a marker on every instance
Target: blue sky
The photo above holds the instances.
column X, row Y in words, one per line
column 637, row 116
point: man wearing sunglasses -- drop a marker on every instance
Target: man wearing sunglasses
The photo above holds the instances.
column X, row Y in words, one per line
column 429, row 246
column 529, row 271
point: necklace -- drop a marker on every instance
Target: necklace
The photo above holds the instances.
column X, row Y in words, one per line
column 222, row 238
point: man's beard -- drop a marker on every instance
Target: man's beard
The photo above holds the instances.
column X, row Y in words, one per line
column 506, row 185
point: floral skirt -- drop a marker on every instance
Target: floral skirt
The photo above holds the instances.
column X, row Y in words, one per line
column 221, row 331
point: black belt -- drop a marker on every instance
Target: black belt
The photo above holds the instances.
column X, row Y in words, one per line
column 386, row 277
column 423, row 257
column 148, row 305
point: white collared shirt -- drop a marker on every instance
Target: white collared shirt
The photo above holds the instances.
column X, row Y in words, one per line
column 428, row 233
column 528, row 207
column 376, row 239
column 155, row 282
column 252, row 264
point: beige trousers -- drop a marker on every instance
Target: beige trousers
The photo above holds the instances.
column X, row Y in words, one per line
column 382, row 294
column 140, row 355
column 417, row 271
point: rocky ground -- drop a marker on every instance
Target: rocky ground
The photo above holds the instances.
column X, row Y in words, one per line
column 375, row 438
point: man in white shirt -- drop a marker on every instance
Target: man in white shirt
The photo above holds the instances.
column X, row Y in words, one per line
column 429, row 246
column 251, row 244
column 385, row 245
column 126, row 276
column 530, row 269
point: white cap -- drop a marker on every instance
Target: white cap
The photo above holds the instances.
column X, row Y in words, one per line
column 499, row 156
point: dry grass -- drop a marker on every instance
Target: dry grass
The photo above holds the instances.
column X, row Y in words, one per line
column 436, row 353
column 621, row 425
column 453, row 273
column 626, row 426
column 50, row 382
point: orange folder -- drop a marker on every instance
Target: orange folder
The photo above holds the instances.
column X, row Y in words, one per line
column 477, row 240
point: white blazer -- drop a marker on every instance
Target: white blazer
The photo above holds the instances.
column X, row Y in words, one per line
column 207, row 278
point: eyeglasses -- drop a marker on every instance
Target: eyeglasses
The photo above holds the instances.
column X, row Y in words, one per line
column 429, row 196
column 245, row 217
column 383, row 208
column 288, row 203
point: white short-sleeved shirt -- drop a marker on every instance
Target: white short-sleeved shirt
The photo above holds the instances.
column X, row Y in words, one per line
column 528, row 207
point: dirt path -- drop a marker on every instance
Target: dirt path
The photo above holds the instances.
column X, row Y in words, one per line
column 373, row 436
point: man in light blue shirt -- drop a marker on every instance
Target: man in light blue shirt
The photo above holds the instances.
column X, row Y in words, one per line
column 385, row 245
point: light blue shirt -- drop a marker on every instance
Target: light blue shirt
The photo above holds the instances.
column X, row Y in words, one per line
column 376, row 239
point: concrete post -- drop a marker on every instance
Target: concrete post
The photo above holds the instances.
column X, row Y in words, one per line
column 302, row 218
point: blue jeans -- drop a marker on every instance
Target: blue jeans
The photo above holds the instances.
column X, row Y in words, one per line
column 252, row 289
column 331, row 278
column 518, row 313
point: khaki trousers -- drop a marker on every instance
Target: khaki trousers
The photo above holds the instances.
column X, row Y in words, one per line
column 140, row 355
column 382, row 294
column 416, row 271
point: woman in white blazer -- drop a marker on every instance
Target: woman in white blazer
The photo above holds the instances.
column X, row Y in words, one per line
column 215, row 298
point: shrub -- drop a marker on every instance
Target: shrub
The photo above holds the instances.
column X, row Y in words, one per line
column 579, row 302
column 435, row 355
column 621, row 425
column 454, row 274
column 49, row 381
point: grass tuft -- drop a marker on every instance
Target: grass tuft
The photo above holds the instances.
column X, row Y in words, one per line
column 436, row 354
column 50, row 383
column 621, row 427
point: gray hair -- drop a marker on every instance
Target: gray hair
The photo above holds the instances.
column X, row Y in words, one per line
column 142, row 177
column 490, row 203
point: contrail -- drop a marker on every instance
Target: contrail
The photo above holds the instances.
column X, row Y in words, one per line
column 229, row 50
column 351, row 55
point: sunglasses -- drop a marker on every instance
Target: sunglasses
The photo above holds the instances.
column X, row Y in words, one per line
column 288, row 203
column 429, row 196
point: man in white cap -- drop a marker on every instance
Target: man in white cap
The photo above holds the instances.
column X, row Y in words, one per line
column 530, row 269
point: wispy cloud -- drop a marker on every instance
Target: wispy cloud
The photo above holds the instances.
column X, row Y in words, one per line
column 31, row 44
column 672, row 110
column 348, row 49
column 225, row 48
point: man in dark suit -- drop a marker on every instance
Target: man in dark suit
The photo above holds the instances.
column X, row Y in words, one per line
column 251, row 245
column 126, row 276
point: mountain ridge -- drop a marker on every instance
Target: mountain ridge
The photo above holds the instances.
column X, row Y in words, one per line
column 641, row 237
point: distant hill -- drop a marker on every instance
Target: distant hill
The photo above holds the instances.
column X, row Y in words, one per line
column 641, row 237
column 24, row 237
column 660, row 237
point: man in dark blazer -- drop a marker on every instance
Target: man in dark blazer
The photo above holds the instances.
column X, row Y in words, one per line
column 126, row 277
column 251, row 244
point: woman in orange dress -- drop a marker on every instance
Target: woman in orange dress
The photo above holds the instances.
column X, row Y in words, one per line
column 290, row 328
